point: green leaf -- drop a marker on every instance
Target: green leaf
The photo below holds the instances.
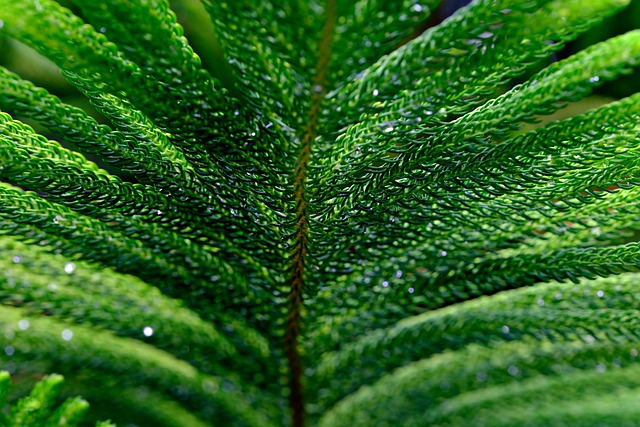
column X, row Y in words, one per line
column 66, row 349
column 39, row 407
column 355, row 214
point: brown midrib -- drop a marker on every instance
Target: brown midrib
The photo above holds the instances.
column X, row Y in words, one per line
column 300, row 247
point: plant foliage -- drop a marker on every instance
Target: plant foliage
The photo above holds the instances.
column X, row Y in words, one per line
column 360, row 227
column 39, row 408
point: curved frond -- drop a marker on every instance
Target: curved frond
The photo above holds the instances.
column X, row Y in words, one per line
column 40, row 407
column 557, row 312
column 350, row 216
column 78, row 352
column 408, row 395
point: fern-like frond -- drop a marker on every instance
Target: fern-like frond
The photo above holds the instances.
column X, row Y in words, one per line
column 579, row 327
column 39, row 407
column 53, row 286
column 374, row 28
column 480, row 369
column 382, row 146
column 558, row 312
column 359, row 226
column 82, row 62
column 49, row 342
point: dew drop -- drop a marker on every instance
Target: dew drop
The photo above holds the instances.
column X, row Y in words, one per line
column 69, row 268
column 67, row 334
column 23, row 324
column 600, row 294
column 411, row 290
column 210, row 387
column 513, row 370
column 506, row 329
column 147, row 331
column 594, row 79
column 416, row 8
column 9, row 350
column 16, row 259
column 375, row 92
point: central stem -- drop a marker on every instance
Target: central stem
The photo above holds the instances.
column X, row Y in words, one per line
column 301, row 246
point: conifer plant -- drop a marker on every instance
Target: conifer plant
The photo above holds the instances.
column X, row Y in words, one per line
column 355, row 229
